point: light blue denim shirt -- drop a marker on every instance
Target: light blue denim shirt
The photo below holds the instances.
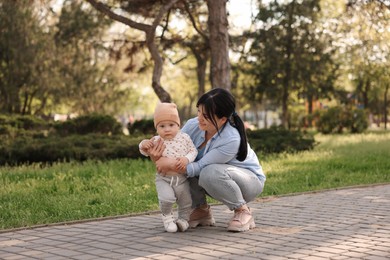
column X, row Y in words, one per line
column 221, row 148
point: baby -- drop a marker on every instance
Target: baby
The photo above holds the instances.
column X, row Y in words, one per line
column 172, row 187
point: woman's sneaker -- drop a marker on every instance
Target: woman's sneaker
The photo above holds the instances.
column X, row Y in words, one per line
column 182, row 225
column 202, row 217
column 169, row 223
column 241, row 221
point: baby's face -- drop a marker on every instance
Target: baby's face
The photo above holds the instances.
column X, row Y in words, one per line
column 167, row 129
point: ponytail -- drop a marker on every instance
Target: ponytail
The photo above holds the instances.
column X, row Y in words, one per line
column 239, row 125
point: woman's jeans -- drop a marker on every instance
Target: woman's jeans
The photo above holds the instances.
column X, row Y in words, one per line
column 231, row 185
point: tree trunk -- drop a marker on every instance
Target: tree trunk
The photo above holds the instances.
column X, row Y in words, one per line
column 309, row 110
column 386, row 105
column 287, row 68
column 219, row 44
column 201, row 55
column 366, row 90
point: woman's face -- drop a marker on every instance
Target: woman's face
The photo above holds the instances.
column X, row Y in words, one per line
column 206, row 124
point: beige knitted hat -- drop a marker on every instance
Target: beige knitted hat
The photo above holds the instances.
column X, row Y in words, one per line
column 166, row 112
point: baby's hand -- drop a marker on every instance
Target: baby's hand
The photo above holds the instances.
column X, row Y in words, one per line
column 181, row 163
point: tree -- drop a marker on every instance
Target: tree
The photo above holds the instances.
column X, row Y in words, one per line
column 27, row 60
column 90, row 82
column 157, row 12
column 366, row 24
column 286, row 53
column 150, row 34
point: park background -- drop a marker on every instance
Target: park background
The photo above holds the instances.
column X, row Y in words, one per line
column 79, row 81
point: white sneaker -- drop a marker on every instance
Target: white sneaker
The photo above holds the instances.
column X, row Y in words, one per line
column 182, row 225
column 169, row 223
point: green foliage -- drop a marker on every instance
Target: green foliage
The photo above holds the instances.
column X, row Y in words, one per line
column 93, row 123
column 142, row 127
column 26, row 139
column 289, row 58
column 279, row 140
column 26, row 149
column 337, row 119
column 100, row 137
column 26, row 59
column 51, row 63
column 356, row 120
column 26, row 122
column 330, row 120
column 18, row 125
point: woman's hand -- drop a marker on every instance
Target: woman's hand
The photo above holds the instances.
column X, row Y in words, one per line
column 156, row 151
column 165, row 165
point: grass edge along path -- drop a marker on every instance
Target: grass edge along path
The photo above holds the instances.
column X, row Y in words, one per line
column 260, row 199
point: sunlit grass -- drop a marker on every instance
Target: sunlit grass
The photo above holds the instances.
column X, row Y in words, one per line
column 37, row 194
column 338, row 161
column 34, row 194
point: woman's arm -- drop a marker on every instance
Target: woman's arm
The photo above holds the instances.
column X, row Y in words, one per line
column 222, row 153
column 165, row 165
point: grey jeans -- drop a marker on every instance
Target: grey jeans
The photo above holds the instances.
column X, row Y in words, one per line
column 174, row 189
column 233, row 186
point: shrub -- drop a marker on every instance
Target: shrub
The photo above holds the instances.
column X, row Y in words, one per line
column 142, row 127
column 278, row 140
column 26, row 122
column 12, row 126
column 94, row 123
column 337, row 119
column 26, row 149
column 356, row 121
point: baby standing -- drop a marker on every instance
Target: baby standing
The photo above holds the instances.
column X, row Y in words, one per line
column 172, row 187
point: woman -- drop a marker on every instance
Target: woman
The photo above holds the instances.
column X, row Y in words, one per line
column 226, row 168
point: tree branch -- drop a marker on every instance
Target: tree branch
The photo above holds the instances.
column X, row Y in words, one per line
column 120, row 18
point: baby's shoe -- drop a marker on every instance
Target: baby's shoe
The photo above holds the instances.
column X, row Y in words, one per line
column 182, row 224
column 169, row 223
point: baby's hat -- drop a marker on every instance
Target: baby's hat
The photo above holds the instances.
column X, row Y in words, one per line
column 166, row 112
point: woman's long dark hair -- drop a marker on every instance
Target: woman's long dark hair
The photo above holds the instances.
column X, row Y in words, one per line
column 221, row 102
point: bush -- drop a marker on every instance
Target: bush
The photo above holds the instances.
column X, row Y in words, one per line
column 142, row 127
column 26, row 149
column 278, row 140
column 337, row 119
column 356, row 121
column 25, row 139
column 26, row 122
column 94, row 123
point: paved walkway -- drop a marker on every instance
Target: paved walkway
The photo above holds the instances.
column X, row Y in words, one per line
column 340, row 224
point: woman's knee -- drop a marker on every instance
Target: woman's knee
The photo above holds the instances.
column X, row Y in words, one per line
column 211, row 174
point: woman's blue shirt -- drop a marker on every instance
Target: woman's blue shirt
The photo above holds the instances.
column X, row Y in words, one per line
column 221, row 148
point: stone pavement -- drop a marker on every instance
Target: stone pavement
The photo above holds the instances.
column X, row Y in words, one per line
column 349, row 223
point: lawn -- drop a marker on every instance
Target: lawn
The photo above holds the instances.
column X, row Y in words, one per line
column 38, row 194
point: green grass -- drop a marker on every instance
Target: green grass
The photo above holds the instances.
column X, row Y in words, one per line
column 338, row 161
column 37, row 194
column 32, row 195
